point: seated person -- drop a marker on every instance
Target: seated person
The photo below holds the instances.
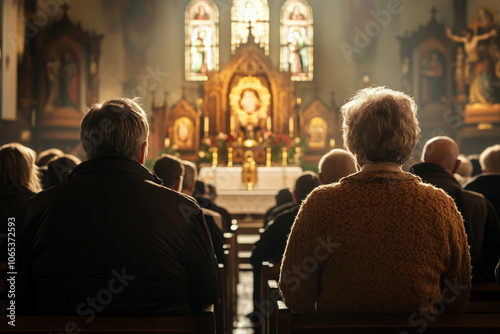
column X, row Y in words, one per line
column 42, row 162
column 59, row 168
column 488, row 182
column 379, row 240
column 335, row 165
column 112, row 241
column 440, row 162
column 19, row 181
column 170, row 170
column 272, row 241
column 188, row 186
column 206, row 203
column 284, row 202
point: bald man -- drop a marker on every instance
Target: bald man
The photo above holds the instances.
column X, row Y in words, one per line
column 335, row 165
column 440, row 162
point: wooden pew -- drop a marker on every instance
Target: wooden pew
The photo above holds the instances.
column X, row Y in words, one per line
column 483, row 316
column 269, row 271
column 221, row 311
column 485, row 291
column 107, row 325
column 231, row 272
column 291, row 322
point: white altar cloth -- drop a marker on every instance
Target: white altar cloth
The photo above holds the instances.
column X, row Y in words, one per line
column 234, row 195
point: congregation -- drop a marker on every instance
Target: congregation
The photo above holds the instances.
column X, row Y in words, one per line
column 367, row 234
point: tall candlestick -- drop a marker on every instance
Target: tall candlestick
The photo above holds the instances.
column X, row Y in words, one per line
column 205, row 125
column 268, row 123
column 290, row 126
column 232, row 124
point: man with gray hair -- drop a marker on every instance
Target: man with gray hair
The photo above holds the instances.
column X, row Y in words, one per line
column 440, row 162
column 488, row 182
column 102, row 243
column 335, row 165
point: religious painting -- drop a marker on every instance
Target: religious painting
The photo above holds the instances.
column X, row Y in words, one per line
column 249, row 101
column 433, row 78
column 246, row 16
column 296, row 54
column 63, row 80
column 477, row 59
column 318, row 131
column 202, row 40
column 183, row 133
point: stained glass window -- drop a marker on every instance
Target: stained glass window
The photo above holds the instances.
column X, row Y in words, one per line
column 296, row 54
column 246, row 13
column 202, row 39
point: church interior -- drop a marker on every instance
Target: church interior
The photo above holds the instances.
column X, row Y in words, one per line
column 248, row 90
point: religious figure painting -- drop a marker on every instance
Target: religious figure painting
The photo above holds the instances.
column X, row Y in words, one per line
column 202, row 47
column 477, row 59
column 296, row 40
column 63, row 76
column 432, row 67
column 317, row 132
column 183, row 133
column 246, row 16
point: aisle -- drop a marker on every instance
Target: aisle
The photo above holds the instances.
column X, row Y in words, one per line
column 242, row 323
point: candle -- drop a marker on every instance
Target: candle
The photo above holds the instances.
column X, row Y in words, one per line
column 167, row 142
column 231, row 124
column 268, row 123
column 290, row 125
column 332, row 143
column 206, row 124
column 299, row 101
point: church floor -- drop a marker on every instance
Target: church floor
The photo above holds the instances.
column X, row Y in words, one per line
column 242, row 324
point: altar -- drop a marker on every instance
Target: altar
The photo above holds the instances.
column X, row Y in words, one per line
column 234, row 195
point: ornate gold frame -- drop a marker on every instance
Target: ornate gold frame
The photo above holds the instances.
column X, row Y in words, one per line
column 254, row 83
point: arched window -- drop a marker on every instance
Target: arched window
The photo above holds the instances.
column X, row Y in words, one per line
column 202, row 39
column 250, row 12
column 296, row 54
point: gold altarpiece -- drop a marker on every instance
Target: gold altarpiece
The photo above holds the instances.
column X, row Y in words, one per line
column 275, row 91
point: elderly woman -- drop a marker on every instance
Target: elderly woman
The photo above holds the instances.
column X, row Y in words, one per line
column 379, row 240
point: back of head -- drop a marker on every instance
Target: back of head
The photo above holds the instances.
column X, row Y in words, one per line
column 46, row 156
column 284, row 196
column 116, row 128
column 465, row 168
column 490, row 159
column 380, row 125
column 441, row 151
column 305, row 183
column 59, row 168
column 17, row 168
column 335, row 165
column 169, row 169
column 199, row 188
column 190, row 175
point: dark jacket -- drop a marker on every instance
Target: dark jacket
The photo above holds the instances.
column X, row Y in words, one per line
column 481, row 223
column 489, row 186
column 272, row 242
column 12, row 206
column 113, row 241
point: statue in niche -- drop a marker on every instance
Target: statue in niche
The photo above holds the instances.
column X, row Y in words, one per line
column 53, row 76
column 459, row 77
column 478, row 70
column 434, row 89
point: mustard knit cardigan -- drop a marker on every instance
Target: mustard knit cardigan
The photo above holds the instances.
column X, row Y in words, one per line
column 377, row 242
